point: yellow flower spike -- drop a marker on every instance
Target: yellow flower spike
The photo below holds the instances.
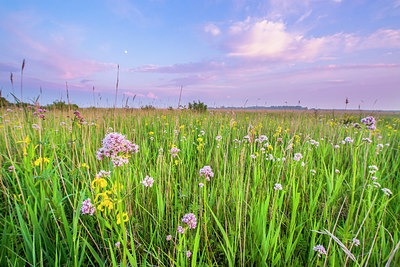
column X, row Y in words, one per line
column 104, row 195
column 124, row 217
column 27, row 140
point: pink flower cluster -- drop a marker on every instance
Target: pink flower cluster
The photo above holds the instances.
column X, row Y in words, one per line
column 87, row 207
column 370, row 122
column 190, row 220
column 175, row 151
column 115, row 144
column 78, row 117
column 148, row 181
column 206, row 171
column 103, row 174
column 40, row 113
column 320, row 249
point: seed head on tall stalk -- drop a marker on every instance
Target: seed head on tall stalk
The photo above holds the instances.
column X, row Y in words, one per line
column 22, row 75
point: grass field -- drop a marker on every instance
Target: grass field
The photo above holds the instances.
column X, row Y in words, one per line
column 282, row 188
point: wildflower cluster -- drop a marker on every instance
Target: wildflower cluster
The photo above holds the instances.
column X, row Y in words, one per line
column 87, row 207
column 206, row 172
column 116, row 147
column 297, row 157
column 148, row 181
column 278, row 187
column 320, row 249
column 174, row 151
column 369, row 122
column 190, row 220
column 40, row 113
column 78, row 117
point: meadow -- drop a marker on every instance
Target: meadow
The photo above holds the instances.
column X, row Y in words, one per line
column 104, row 187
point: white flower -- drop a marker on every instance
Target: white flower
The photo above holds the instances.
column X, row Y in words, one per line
column 278, row 187
column 148, row 181
column 320, row 249
column 297, row 157
column 348, row 140
column 387, row 191
column 356, row 242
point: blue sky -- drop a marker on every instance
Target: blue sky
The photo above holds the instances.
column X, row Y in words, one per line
column 221, row 52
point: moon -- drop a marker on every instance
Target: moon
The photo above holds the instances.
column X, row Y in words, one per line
column 126, row 51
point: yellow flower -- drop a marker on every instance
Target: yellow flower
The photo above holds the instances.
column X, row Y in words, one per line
column 41, row 160
column 200, row 140
column 107, row 203
column 270, row 147
column 124, row 217
column 176, row 162
column 27, row 140
column 101, row 181
column 84, row 165
column 151, row 133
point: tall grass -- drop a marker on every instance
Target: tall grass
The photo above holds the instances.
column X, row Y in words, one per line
column 242, row 220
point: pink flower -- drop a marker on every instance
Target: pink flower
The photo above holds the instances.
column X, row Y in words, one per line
column 169, row 237
column 117, row 244
column 87, row 207
column 181, row 230
column 320, row 249
column 190, row 220
column 148, row 181
column 207, row 172
column 188, row 253
column 115, row 144
column 174, row 151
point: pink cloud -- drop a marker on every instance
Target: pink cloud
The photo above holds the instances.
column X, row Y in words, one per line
column 260, row 38
column 150, row 95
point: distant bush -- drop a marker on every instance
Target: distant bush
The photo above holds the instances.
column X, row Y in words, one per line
column 199, row 106
column 62, row 106
column 4, row 102
column 148, row 107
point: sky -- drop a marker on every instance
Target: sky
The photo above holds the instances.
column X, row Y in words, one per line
column 313, row 53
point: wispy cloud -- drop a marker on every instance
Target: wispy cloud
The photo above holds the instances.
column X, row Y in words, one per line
column 182, row 68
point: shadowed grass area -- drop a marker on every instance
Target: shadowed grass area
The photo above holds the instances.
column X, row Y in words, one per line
column 283, row 183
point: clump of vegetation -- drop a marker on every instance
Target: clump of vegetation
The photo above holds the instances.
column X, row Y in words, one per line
column 4, row 102
column 197, row 106
column 61, row 105
column 148, row 107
